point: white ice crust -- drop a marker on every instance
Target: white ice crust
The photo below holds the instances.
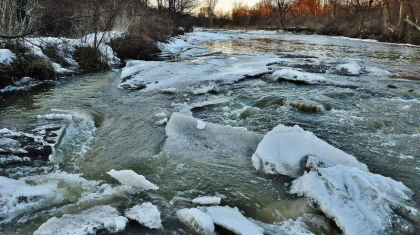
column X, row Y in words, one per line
column 131, row 178
column 282, row 150
column 86, row 222
column 197, row 220
column 146, row 214
column 207, row 200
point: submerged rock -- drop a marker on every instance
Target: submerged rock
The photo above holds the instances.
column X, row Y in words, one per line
column 306, row 105
column 184, row 139
column 269, row 101
column 392, row 86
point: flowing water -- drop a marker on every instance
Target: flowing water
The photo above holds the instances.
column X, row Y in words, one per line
column 115, row 129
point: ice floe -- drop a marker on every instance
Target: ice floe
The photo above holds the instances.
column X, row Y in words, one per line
column 349, row 69
column 284, row 148
column 360, row 202
column 131, row 178
column 32, row 193
column 184, row 139
column 196, row 219
column 152, row 75
column 297, row 76
column 233, row 220
column 146, row 214
column 207, row 200
column 90, row 221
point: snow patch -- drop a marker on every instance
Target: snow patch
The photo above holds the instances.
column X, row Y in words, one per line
column 6, row 56
column 201, row 125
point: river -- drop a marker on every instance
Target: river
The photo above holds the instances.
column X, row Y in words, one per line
column 374, row 116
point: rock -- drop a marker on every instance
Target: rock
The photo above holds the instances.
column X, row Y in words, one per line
column 392, row 86
column 411, row 90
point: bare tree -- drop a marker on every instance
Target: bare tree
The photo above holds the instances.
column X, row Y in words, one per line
column 283, row 7
column 211, row 4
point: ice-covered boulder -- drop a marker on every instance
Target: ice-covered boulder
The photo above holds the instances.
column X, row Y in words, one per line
column 207, row 200
column 284, row 150
column 197, row 220
column 305, row 105
column 186, row 140
column 95, row 219
column 349, row 69
column 233, row 220
column 146, row 214
column 360, row 202
column 131, row 178
column 297, row 76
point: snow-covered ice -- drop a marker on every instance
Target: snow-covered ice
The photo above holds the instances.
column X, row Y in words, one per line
column 207, row 200
column 90, row 221
column 233, row 220
column 203, row 89
column 184, row 139
column 6, row 56
column 283, row 149
column 146, row 214
column 131, row 178
column 32, row 193
column 297, row 76
column 360, row 202
column 152, row 75
column 350, row 69
column 196, row 219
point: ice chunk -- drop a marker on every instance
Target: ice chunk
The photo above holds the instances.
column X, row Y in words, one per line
column 162, row 119
column 297, row 76
column 203, row 90
column 146, row 214
column 95, row 219
column 211, row 102
column 349, row 69
column 287, row 227
column 201, row 124
column 232, row 220
column 131, row 178
column 284, row 148
column 33, row 193
column 6, row 56
column 184, row 139
column 207, row 200
column 198, row 220
column 360, row 202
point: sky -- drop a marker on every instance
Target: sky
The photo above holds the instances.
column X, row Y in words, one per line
column 226, row 5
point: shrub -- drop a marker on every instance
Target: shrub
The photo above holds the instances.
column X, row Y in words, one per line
column 90, row 59
column 26, row 65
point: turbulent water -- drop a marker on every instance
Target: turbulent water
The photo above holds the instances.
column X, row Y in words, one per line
column 373, row 114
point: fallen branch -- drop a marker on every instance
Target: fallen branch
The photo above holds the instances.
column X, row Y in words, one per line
column 412, row 24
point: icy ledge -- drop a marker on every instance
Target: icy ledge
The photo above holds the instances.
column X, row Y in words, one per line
column 97, row 218
column 358, row 201
column 285, row 149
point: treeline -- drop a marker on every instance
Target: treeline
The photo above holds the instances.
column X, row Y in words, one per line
column 385, row 20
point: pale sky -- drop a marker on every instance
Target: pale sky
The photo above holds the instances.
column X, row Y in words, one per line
column 226, row 5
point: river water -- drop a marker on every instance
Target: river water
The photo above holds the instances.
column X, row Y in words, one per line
column 115, row 129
